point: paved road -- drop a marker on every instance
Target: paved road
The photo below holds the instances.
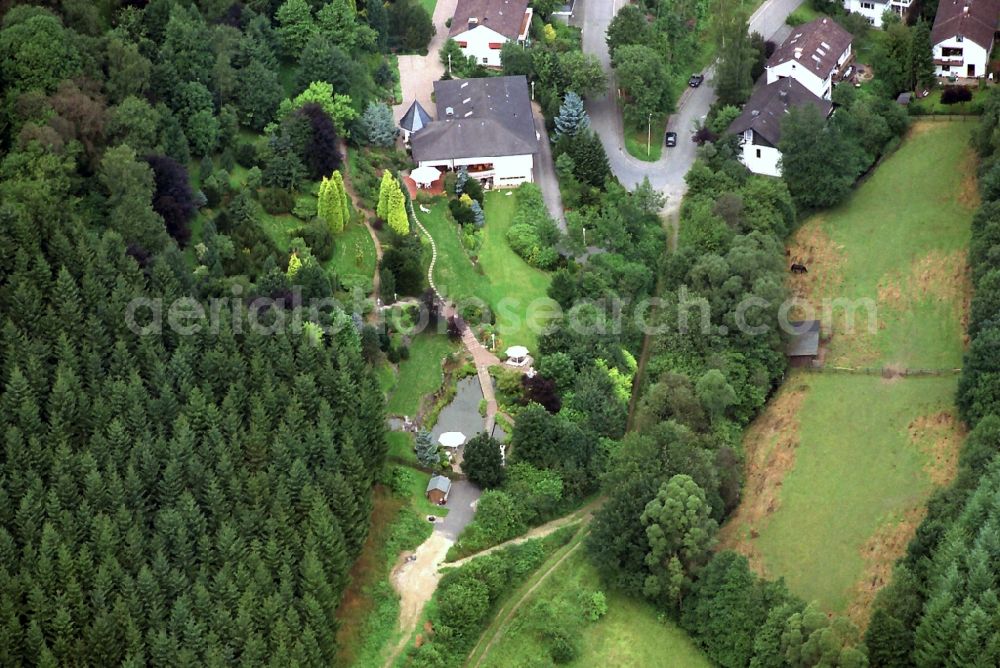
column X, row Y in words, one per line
column 667, row 174
column 460, row 509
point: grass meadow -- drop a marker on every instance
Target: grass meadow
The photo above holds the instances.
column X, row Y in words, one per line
column 630, row 634
column 840, row 465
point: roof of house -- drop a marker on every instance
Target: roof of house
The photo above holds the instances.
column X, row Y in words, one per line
column 766, row 108
column 440, row 483
column 805, row 340
column 503, row 16
column 815, row 45
column 975, row 20
column 415, row 118
column 478, row 117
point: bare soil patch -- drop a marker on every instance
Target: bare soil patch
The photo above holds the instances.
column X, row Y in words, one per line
column 939, row 437
column 823, row 258
column 880, row 553
column 771, row 443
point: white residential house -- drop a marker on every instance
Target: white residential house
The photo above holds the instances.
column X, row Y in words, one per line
column 759, row 124
column 815, row 55
column 484, row 125
column 963, row 35
column 874, row 9
column 482, row 27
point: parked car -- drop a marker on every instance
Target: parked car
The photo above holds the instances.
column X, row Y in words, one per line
column 696, row 80
column 670, row 139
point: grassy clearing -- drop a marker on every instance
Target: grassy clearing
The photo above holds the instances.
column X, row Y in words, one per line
column 401, row 447
column 840, row 466
column 630, row 634
column 369, row 611
column 862, row 454
column 512, row 287
column 419, row 375
column 899, row 242
column 932, row 104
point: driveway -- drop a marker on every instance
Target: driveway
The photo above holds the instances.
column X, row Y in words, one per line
column 667, row 174
column 545, row 170
column 460, row 509
column 417, row 74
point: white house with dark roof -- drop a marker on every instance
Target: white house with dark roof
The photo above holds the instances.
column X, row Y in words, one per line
column 759, row 124
column 482, row 27
column 484, row 125
column 963, row 35
column 814, row 54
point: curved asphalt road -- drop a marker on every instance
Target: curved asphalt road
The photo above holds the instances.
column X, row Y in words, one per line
column 666, row 174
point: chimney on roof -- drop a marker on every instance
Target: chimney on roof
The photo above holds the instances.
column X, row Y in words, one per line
column 755, row 113
column 473, row 22
column 965, row 10
column 783, row 96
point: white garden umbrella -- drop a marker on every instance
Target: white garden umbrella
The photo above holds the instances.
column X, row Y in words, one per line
column 425, row 175
column 517, row 354
column 451, row 439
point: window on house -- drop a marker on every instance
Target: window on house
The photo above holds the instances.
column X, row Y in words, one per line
column 947, row 52
column 867, row 5
column 463, row 44
column 871, row 21
column 485, row 60
column 496, row 45
column 758, row 153
column 960, row 38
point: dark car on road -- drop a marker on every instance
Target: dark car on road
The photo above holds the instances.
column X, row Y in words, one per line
column 670, row 139
column 696, row 80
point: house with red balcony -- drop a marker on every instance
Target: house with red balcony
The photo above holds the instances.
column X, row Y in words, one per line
column 482, row 27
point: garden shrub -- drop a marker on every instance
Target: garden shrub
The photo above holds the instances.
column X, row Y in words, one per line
column 276, row 201
column 533, row 234
column 305, row 207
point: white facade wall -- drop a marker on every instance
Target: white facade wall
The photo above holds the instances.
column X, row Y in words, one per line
column 758, row 158
column 972, row 54
column 508, row 170
column 794, row 69
column 870, row 9
column 477, row 44
column 873, row 9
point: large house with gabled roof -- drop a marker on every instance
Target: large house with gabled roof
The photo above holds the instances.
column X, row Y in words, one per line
column 963, row 36
column 484, row 125
column 814, row 54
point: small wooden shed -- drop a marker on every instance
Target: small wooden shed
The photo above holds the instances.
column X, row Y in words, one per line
column 438, row 489
column 803, row 345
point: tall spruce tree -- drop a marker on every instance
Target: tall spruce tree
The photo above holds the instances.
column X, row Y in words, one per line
column 572, row 118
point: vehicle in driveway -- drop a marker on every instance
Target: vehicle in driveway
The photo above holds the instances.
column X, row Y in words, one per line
column 670, row 139
column 696, row 80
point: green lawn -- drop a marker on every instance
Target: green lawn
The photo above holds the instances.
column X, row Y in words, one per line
column 856, row 470
column 840, row 465
column 515, row 290
column 803, row 14
column 932, row 104
column 628, row 635
column 900, row 242
column 636, row 136
column 429, row 5
column 353, row 252
column 419, row 375
column 401, row 447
